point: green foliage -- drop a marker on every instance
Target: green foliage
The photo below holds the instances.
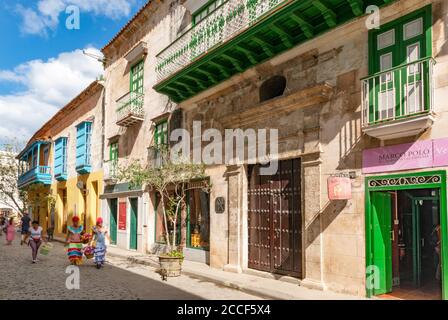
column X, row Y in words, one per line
column 170, row 180
column 10, row 194
column 175, row 254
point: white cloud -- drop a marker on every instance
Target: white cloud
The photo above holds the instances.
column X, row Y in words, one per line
column 45, row 16
column 49, row 86
column 6, row 75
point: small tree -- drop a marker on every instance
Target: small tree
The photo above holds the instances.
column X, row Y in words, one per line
column 170, row 180
column 10, row 194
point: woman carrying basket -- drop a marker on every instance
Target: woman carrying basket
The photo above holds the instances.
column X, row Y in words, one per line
column 74, row 242
column 99, row 238
column 35, row 235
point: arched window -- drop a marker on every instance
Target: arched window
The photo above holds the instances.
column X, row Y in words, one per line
column 273, row 87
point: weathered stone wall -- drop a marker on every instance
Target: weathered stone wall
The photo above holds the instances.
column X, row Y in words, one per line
column 319, row 120
column 158, row 25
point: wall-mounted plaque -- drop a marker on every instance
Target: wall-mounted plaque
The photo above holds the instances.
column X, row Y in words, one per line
column 220, row 205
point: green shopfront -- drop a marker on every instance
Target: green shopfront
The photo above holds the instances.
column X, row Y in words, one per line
column 406, row 220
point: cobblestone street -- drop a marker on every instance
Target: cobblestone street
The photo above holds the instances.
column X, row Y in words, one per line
column 117, row 280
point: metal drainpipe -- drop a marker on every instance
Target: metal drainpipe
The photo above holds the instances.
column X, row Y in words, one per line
column 103, row 125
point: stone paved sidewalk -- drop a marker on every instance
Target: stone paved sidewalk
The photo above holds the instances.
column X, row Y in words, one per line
column 250, row 284
column 118, row 280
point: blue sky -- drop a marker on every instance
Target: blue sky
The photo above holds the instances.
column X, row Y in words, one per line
column 38, row 53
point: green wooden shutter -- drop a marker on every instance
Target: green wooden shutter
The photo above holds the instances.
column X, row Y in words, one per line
column 381, row 210
column 402, row 41
column 113, row 221
column 60, row 155
column 81, row 145
column 137, row 77
column 134, row 224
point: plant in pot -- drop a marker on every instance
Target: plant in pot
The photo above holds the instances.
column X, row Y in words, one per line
column 171, row 180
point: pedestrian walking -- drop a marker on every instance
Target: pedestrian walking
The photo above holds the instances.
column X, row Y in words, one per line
column 10, row 231
column 73, row 241
column 2, row 225
column 26, row 221
column 35, row 235
column 99, row 239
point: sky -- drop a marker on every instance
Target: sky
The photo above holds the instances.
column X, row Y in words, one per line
column 42, row 66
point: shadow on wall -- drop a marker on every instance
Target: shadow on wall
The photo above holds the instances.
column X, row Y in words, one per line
column 329, row 213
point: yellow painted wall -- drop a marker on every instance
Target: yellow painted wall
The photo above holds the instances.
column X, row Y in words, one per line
column 75, row 203
column 39, row 204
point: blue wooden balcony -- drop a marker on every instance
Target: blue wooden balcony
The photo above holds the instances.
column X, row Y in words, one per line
column 34, row 164
column 39, row 174
column 83, row 147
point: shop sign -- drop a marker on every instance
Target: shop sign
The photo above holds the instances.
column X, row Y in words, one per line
column 339, row 188
column 122, row 216
column 420, row 154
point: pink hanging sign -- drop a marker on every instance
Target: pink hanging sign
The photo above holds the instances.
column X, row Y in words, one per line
column 420, row 154
column 339, row 188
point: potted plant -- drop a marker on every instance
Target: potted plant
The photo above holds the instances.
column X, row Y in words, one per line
column 171, row 180
column 171, row 264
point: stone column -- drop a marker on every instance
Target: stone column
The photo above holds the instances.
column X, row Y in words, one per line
column 312, row 242
column 311, row 195
column 235, row 215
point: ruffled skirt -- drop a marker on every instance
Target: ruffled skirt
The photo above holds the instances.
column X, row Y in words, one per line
column 74, row 253
column 100, row 254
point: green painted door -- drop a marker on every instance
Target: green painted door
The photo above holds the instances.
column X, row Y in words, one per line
column 134, row 222
column 381, row 240
column 113, row 221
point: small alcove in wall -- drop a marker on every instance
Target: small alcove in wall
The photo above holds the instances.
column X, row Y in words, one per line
column 272, row 88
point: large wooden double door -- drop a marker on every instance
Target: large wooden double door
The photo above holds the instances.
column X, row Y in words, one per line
column 275, row 220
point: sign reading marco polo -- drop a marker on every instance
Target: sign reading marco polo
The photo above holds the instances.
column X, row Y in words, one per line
column 420, row 154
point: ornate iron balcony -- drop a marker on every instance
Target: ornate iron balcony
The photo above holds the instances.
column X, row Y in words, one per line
column 130, row 109
column 227, row 21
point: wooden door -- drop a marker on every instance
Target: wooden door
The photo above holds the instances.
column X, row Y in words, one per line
column 274, row 219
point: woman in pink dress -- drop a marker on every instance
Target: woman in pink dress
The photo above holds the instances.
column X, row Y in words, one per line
column 10, row 232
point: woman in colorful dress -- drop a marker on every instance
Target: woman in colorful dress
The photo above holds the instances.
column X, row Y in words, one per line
column 73, row 241
column 10, row 232
column 99, row 236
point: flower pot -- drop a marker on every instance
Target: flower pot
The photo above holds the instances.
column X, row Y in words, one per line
column 170, row 266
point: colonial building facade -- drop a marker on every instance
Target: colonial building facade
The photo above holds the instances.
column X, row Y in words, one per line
column 356, row 91
column 340, row 92
column 62, row 164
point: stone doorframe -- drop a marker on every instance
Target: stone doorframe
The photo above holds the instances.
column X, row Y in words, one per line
column 237, row 204
column 236, row 176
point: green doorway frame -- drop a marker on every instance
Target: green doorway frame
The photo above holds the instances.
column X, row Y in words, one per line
column 409, row 181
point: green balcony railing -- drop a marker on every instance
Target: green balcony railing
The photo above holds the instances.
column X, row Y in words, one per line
column 228, row 20
column 130, row 108
column 398, row 93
